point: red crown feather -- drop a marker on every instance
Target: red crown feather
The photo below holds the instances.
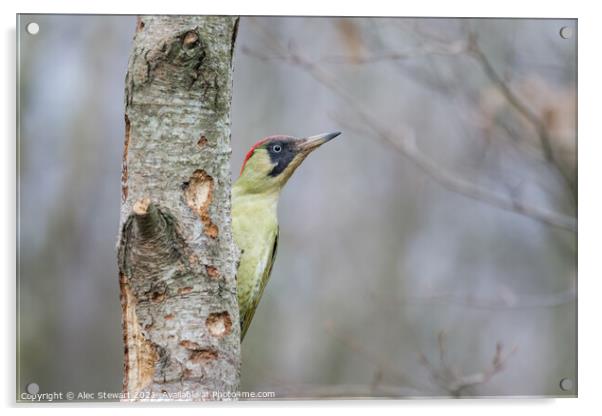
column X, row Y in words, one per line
column 250, row 153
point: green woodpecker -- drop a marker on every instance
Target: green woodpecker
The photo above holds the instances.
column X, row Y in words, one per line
column 266, row 169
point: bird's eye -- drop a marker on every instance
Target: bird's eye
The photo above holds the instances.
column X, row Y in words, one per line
column 276, row 148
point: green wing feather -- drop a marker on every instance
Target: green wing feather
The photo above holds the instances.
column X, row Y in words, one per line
column 247, row 316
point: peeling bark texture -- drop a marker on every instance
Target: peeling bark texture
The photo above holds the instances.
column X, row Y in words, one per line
column 176, row 255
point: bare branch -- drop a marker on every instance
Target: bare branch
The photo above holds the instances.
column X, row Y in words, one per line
column 454, row 383
column 406, row 145
column 544, row 137
column 451, row 49
column 509, row 303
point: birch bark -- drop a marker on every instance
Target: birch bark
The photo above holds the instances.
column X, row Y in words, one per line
column 176, row 256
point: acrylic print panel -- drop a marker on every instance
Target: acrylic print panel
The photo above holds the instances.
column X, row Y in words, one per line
column 428, row 251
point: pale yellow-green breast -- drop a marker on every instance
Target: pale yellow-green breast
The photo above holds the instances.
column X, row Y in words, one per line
column 255, row 228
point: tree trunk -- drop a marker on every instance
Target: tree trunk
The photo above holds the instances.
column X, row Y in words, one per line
column 177, row 259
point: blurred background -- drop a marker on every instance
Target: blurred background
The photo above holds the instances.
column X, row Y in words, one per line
column 430, row 250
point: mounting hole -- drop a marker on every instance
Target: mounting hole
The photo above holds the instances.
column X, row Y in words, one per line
column 32, row 28
column 566, row 384
column 32, row 388
column 566, row 32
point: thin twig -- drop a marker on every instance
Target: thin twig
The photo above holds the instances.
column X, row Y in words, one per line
column 476, row 52
column 524, row 302
column 454, row 383
column 451, row 49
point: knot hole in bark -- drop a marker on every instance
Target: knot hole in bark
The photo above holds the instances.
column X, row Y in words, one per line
column 191, row 40
column 149, row 237
column 177, row 60
column 198, row 193
column 187, row 49
column 219, row 324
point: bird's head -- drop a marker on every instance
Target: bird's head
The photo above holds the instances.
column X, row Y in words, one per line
column 271, row 161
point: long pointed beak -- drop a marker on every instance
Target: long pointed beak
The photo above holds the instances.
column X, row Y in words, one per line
column 311, row 143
